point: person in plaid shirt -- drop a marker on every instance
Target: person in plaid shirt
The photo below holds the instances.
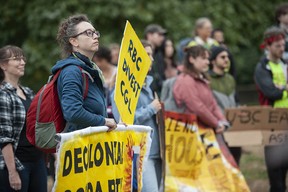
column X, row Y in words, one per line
column 22, row 166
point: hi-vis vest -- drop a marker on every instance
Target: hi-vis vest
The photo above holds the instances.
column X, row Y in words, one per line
column 279, row 79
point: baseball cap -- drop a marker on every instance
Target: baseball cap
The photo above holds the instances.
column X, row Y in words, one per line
column 154, row 28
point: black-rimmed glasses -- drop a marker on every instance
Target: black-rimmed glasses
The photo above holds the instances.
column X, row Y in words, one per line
column 89, row 33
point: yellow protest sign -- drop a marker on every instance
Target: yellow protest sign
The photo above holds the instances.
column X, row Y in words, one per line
column 194, row 161
column 133, row 66
column 89, row 160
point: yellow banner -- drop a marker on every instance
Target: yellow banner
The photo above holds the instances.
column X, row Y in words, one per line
column 133, row 66
column 102, row 161
column 194, row 161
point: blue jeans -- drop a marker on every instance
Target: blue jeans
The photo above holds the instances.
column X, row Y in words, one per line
column 4, row 181
column 152, row 175
column 34, row 176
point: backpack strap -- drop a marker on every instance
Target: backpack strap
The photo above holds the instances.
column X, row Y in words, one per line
column 53, row 78
column 85, row 85
column 85, row 81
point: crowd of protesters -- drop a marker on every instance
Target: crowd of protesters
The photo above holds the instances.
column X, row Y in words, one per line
column 201, row 81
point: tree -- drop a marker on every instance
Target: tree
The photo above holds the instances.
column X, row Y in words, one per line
column 33, row 25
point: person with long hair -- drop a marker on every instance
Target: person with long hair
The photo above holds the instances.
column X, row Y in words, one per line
column 22, row 166
column 170, row 68
column 192, row 90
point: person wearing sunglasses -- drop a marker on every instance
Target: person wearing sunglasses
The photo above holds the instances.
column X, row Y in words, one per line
column 79, row 40
column 223, row 85
column 22, row 166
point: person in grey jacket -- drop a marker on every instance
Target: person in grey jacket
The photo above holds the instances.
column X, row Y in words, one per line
column 145, row 114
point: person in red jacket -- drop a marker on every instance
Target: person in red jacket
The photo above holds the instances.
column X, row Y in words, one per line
column 192, row 90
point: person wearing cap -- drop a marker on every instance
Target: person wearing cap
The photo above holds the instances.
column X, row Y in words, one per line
column 223, row 85
column 155, row 34
column 271, row 81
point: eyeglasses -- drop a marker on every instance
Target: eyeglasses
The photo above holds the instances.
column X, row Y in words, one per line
column 18, row 58
column 89, row 33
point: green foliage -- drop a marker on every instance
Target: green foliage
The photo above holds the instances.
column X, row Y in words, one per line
column 33, row 25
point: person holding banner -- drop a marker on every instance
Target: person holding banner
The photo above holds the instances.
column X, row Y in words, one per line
column 192, row 90
column 271, row 81
column 22, row 166
column 145, row 114
column 79, row 41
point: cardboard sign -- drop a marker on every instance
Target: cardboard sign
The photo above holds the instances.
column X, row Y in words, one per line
column 133, row 67
column 275, row 137
column 257, row 118
column 257, row 125
column 250, row 138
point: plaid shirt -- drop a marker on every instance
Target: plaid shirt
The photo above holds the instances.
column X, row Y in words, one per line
column 12, row 118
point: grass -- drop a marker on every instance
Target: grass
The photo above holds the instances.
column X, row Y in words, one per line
column 253, row 167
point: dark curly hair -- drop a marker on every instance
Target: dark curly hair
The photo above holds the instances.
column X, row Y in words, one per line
column 66, row 30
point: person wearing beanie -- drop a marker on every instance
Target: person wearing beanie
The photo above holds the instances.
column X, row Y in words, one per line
column 215, row 50
column 223, row 85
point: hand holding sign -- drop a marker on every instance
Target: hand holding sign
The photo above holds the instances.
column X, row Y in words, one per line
column 156, row 105
column 110, row 123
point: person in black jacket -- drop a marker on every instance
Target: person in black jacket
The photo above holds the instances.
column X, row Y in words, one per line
column 271, row 81
column 155, row 35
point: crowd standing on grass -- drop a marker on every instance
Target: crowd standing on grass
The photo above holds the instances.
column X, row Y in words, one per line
column 202, row 77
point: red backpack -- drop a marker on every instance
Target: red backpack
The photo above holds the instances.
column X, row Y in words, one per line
column 45, row 117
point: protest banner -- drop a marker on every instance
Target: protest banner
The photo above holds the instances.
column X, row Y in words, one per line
column 93, row 159
column 133, row 67
column 257, row 125
column 194, row 161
